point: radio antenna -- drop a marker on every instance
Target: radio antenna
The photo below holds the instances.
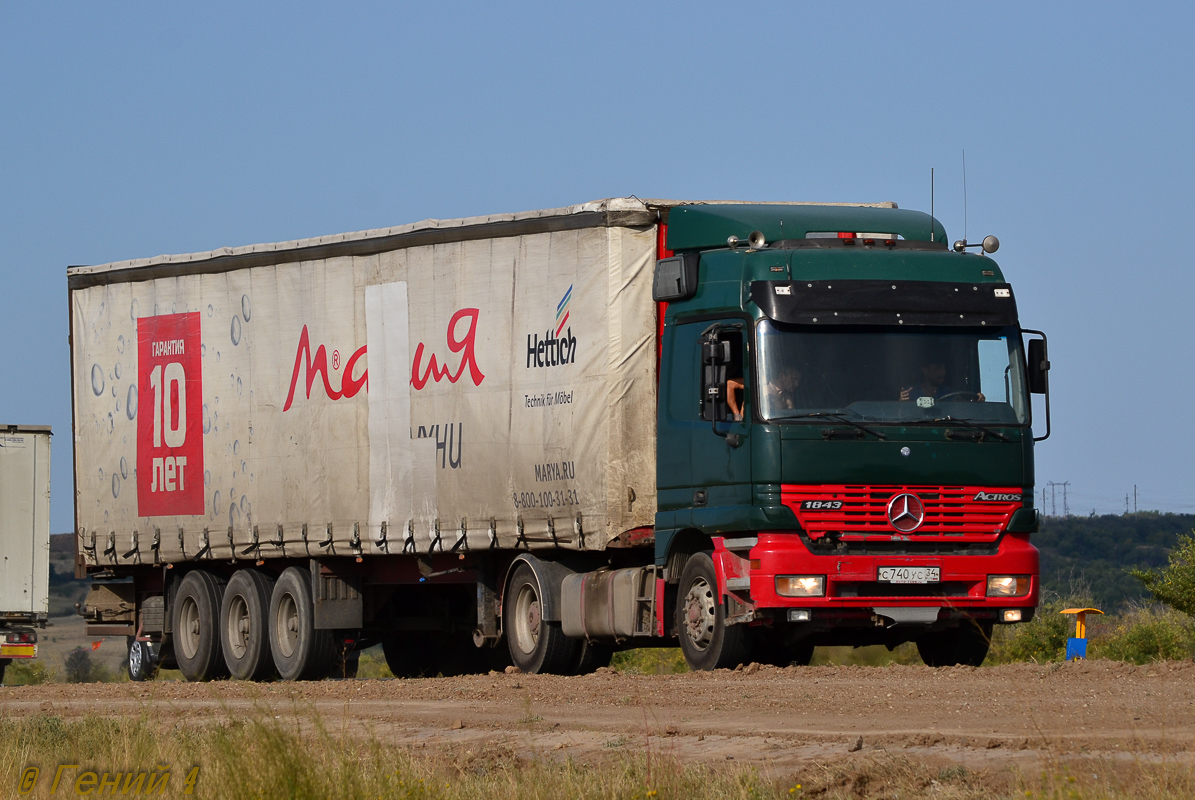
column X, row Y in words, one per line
column 931, row 204
column 964, row 194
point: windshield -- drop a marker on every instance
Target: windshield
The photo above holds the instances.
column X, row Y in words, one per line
column 891, row 374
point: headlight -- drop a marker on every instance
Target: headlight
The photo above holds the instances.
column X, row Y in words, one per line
column 1007, row 585
column 800, row 585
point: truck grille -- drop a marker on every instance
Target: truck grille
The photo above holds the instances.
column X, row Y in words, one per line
column 856, row 510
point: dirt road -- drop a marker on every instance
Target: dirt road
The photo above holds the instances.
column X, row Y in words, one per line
column 776, row 718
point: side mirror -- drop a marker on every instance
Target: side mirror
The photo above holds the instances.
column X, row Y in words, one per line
column 1039, row 366
column 675, row 278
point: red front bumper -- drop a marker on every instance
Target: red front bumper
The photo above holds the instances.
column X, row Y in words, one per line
column 851, row 580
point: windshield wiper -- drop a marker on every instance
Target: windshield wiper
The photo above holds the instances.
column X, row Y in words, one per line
column 839, row 416
column 966, row 423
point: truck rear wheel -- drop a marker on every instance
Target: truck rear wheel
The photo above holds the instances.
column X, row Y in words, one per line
column 966, row 645
column 536, row 645
column 591, row 656
column 196, row 634
column 705, row 639
column 301, row 653
column 244, row 625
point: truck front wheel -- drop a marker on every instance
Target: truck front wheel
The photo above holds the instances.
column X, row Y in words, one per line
column 536, row 645
column 301, row 653
column 196, row 636
column 705, row 639
column 244, row 624
column 966, row 645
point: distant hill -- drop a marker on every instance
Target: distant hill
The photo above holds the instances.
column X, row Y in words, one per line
column 1098, row 549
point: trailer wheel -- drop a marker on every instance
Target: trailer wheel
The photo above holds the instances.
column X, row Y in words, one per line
column 142, row 662
column 966, row 645
column 301, row 653
column 705, row 639
column 196, row 635
column 536, row 645
column 244, row 625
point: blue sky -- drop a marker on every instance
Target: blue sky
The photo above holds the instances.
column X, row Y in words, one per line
column 136, row 129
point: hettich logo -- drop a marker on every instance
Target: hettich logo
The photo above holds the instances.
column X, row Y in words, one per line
column 554, row 349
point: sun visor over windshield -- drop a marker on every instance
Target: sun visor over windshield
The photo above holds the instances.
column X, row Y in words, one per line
column 856, row 302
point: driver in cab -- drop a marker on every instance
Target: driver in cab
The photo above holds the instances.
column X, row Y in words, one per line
column 933, row 384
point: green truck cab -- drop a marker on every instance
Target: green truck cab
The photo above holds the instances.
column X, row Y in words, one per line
column 845, row 442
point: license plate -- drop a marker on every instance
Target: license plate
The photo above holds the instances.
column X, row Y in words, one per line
column 910, row 574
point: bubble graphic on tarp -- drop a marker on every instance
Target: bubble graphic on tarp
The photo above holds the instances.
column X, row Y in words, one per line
column 236, row 447
column 111, row 423
column 202, row 350
column 133, row 310
column 117, row 370
column 130, row 403
column 234, row 515
column 243, row 467
column 238, row 386
column 120, row 344
column 246, row 309
column 216, row 503
column 207, row 477
column 101, row 473
column 115, row 486
column 97, row 379
column 210, row 310
column 124, row 468
column 207, row 419
column 236, row 330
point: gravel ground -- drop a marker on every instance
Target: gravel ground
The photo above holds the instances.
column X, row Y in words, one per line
column 777, row 718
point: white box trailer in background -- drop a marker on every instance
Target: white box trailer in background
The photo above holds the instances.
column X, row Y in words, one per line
column 24, row 539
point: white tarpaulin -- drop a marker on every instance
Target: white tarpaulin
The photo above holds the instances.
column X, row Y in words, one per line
column 475, row 393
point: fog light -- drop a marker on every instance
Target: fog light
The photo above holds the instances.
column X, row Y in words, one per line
column 1007, row 585
column 1012, row 615
column 798, row 615
column 801, row 585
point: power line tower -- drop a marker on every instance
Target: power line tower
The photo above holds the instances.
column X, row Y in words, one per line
column 1066, row 509
column 1126, row 502
column 1053, row 498
column 1134, row 498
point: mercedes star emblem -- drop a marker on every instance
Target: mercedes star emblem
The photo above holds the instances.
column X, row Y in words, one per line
column 906, row 512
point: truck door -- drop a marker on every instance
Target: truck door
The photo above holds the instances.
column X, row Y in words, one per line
column 704, row 458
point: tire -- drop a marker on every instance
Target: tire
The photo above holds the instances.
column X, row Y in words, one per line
column 244, row 625
column 591, row 656
column 4, row 662
column 196, row 627
column 142, row 661
column 536, row 645
column 300, row 652
column 705, row 639
column 966, row 645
